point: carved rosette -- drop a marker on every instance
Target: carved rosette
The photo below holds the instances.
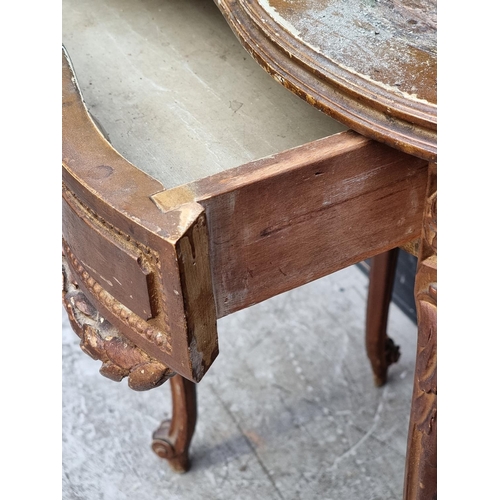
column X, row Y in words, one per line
column 421, row 465
column 102, row 341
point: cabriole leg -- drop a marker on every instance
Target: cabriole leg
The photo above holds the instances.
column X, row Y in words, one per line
column 380, row 349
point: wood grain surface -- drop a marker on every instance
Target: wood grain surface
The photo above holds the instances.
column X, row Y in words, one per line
column 277, row 223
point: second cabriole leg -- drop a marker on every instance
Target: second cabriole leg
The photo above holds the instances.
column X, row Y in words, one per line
column 380, row 348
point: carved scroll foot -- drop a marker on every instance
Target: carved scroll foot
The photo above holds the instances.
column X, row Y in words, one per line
column 380, row 349
column 172, row 439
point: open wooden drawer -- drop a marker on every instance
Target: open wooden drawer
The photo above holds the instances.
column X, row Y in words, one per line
column 162, row 265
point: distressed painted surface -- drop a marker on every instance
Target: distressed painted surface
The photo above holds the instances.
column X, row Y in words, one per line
column 389, row 42
column 301, row 54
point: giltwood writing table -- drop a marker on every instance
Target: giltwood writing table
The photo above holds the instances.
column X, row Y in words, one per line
column 244, row 191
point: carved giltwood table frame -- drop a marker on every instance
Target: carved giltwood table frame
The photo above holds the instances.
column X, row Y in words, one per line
column 147, row 271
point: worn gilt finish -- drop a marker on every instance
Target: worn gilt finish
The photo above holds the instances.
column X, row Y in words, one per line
column 101, row 340
column 140, row 253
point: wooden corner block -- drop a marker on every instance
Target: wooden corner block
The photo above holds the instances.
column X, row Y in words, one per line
column 192, row 264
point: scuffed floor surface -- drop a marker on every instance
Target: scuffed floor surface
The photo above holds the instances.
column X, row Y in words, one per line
column 288, row 410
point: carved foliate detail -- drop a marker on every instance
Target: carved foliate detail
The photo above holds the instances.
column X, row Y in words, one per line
column 420, row 480
column 102, row 341
column 145, row 269
column 426, row 298
column 429, row 240
column 427, row 368
column 430, row 224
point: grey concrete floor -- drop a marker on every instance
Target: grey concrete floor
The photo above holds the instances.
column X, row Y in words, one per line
column 287, row 411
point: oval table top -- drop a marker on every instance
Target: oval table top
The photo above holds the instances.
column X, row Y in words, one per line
column 370, row 64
